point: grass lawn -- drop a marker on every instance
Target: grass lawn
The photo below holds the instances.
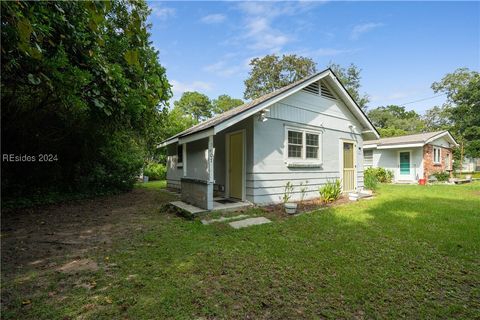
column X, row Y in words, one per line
column 154, row 185
column 412, row 252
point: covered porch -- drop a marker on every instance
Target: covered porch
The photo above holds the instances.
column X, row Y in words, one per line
column 211, row 169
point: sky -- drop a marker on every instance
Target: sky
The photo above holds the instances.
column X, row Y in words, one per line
column 401, row 47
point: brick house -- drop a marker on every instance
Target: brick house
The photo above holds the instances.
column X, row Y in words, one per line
column 411, row 157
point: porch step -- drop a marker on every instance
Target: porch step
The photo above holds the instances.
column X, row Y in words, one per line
column 224, row 219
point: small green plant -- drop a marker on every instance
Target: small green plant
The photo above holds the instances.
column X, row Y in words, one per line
column 441, row 175
column 330, row 191
column 383, row 175
column 370, row 180
column 303, row 190
column 287, row 194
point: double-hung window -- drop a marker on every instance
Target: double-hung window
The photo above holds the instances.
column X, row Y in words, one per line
column 303, row 145
column 436, row 155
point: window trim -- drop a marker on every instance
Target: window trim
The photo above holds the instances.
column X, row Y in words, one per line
column 182, row 147
column 303, row 159
column 439, row 155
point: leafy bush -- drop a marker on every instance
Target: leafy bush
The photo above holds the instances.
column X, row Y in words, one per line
column 287, row 194
column 441, row 175
column 370, row 180
column 330, row 191
column 382, row 175
column 155, row 171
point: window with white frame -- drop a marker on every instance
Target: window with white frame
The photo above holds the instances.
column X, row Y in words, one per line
column 303, row 144
column 436, row 155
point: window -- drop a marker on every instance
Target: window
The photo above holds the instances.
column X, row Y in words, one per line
column 295, row 143
column 368, row 158
column 436, row 155
column 180, row 154
column 303, row 145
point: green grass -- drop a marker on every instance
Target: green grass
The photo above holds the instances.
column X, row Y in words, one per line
column 155, row 185
column 412, row 252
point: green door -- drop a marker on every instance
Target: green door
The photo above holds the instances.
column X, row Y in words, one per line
column 404, row 163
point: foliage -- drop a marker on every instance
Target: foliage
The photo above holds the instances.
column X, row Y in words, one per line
column 350, row 78
column 287, row 193
column 441, row 175
column 303, row 190
column 382, row 175
column 273, row 72
column 330, row 191
column 81, row 81
column 370, row 179
column 437, row 119
column 462, row 88
column 155, row 171
column 195, row 104
column 224, row 103
column 394, row 120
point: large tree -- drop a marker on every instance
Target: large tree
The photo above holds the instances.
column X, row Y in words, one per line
column 394, row 120
column 195, row 104
column 272, row 72
column 350, row 78
column 437, row 118
column 82, row 82
column 462, row 88
column 224, row 103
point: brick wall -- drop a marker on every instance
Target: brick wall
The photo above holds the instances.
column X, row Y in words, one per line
column 429, row 167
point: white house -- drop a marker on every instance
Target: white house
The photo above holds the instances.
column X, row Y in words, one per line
column 308, row 132
column 411, row 157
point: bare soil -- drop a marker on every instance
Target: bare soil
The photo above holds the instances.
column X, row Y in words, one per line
column 61, row 237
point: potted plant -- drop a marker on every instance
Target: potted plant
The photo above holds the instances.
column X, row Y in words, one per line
column 290, row 207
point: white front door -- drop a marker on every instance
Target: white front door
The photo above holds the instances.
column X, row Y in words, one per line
column 405, row 171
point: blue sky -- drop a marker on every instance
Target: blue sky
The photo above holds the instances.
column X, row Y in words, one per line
column 401, row 47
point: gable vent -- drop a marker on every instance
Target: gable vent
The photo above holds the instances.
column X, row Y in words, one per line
column 326, row 92
column 313, row 88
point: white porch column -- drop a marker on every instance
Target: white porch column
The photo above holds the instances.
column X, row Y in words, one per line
column 210, row 174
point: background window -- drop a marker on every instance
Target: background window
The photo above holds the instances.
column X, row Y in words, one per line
column 436, row 155
column 295, row 143
column 179, row 153
column 312, row 146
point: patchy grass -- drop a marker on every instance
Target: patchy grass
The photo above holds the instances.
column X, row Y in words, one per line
column 412, row 252
column 155, row 185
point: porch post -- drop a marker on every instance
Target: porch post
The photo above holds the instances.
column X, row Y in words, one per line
column 210, row 174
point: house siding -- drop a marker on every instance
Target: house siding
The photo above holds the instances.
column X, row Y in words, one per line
column 389, row 159
column 429, row 166
column 174, row 174
column 270, row 172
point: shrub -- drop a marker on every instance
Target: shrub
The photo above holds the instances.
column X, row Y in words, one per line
column 370, row 180
column 382, row 175
column 330, row 191
column 441, row 175
column 287, row 194
column 155, row 171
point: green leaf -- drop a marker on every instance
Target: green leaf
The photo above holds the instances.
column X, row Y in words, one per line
column 33, row 79
column 131, row 56
column 24, row 30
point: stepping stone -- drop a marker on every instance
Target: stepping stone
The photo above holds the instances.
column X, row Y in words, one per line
column 249, row 222
column 223, row 219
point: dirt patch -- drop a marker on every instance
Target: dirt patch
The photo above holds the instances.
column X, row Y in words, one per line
column 305, row 206
column 77, row 266
column 46, row 238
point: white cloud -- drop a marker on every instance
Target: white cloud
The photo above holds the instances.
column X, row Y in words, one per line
column 162, row 12
column 214, row 18
column 181, row 87
column 360, row 29
column 223, row 69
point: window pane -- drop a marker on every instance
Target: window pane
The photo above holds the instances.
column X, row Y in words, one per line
column 294, row 151
column 180, row 154
column 312, row 152
column 312, row 139
column 294, row 137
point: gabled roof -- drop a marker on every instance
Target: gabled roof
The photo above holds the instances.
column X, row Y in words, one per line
column 412, row 140
column 241, row 112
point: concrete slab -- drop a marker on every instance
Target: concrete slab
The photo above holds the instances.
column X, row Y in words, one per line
column 187, row 207
column 223, row 219
column 249, row 222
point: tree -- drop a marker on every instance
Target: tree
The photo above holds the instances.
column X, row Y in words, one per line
column 224, row 103
column 196, row 104
column 394, row 120
column 436, row 119
column 273, row 72
column 82, row 82
column 350, row 78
